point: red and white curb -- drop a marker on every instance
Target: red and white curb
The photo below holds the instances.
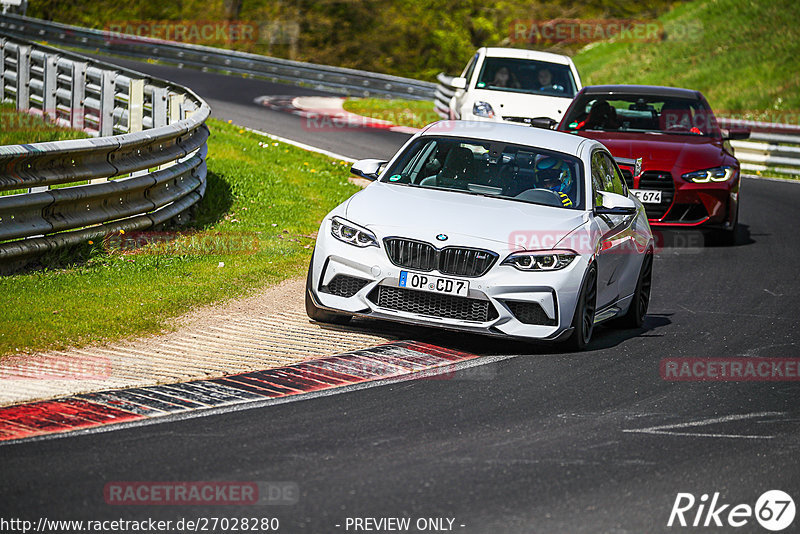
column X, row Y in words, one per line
column 327, row 113
column 94, row 410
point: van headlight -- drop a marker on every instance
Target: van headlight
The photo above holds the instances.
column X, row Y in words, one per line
column 482, row 109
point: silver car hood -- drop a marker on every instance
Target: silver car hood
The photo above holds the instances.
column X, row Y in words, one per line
column 466, row 219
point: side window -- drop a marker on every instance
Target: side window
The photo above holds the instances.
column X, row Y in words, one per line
column 598, row 177
column 615, row 177
column 470, row 68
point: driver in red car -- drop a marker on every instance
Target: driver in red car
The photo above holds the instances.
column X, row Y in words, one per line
column 602, row 116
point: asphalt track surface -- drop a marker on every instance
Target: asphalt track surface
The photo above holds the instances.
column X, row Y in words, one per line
column 542, row 442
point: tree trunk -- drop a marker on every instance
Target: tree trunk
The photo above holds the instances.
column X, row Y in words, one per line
column 232, row 9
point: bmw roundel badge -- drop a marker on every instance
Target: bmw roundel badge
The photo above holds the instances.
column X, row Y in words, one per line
column 442, row 237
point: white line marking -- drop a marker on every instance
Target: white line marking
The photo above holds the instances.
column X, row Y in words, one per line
column 667, row 429
column 302, row 145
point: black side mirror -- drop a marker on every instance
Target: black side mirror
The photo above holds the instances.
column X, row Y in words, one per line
column 614, row 204
column 732, row 134
column 543, row 122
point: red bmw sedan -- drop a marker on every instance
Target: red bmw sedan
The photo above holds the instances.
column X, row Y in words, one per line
column 687, row 175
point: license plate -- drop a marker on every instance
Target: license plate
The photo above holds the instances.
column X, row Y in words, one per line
column 647, row 196
column 434, row 284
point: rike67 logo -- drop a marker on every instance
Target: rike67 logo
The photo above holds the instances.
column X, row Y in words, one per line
column 774, row 511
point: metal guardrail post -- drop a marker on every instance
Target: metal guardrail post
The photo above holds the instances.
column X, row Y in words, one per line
column 23, row 77
column 135, row 106
column 107, row 89
column 2, row 68
column 175, row 104
column 159, row 107
column 77, row 111
column 49, row 102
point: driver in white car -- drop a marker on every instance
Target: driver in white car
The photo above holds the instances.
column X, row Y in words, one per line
column 552, row 174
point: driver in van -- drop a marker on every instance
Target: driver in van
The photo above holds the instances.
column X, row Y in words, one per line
column 505, row 78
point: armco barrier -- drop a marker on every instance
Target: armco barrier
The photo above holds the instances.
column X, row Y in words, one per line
column 335, row 79
column 772, row 147
column 444, row 92
column 152, row 171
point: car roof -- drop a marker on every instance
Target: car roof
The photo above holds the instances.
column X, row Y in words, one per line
column 520, row 53
column 644, row 90
column 509, row 133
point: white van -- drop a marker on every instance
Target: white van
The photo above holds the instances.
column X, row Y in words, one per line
column 514, row 85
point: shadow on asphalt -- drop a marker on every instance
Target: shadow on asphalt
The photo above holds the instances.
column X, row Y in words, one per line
column 690, row 239
column 605, row 337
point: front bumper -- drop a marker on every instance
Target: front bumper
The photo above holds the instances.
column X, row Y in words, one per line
column 688, row 204
column 696, row 205
column 517, row 304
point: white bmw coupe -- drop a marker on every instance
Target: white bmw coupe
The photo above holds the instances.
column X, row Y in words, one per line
column 490, row 228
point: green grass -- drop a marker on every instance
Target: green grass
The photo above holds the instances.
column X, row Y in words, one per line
column 21, row 128
column 414, row 113
column 267, row 195
column 18, row 128
column 744, row 57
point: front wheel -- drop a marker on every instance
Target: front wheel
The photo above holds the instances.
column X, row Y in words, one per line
column 318, row 314
column 583, row 320
column 729, row 237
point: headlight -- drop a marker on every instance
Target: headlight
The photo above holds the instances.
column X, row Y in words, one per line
column 352, row 234
column 483, row 109
column 550, row 260
column 717, row 174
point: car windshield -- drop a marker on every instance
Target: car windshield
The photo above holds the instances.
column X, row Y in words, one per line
column 638, row 113
column 491, row 168
column 526, row 76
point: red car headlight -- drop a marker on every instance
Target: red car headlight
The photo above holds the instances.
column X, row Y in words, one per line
column 717, row 174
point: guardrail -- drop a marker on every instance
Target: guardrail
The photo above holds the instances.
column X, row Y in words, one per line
column 772, row 147
column 152, row 172
column 335, row 79
column 444, row 92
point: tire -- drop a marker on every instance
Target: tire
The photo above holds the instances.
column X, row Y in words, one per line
column 583, row 320
column 729, row 237
column 316, row 313
column 634, row 317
